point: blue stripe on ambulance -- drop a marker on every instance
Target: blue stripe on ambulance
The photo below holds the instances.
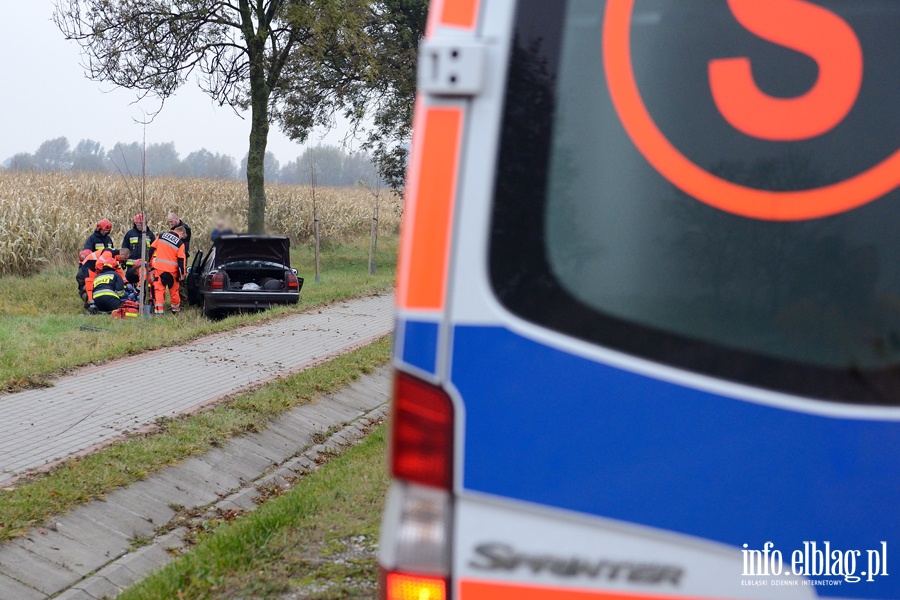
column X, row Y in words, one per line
column 547, row 427
column 420, row 341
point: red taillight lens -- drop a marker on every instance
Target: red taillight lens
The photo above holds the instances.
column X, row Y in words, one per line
column 422, row 433
column 400, row 586
column 292, row 282
column 217, row 282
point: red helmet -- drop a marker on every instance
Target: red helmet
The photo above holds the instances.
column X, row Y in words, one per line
column 83, row 255
column 138, row 218
column 104, row 224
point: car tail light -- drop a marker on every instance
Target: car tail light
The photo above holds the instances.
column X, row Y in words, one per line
column 422, row 433
column 218, row 281
column 292, row 282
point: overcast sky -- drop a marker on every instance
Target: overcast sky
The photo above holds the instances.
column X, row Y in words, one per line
column 45, row 95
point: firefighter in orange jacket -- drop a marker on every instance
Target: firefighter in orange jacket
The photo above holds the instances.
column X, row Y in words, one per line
column 169, row 264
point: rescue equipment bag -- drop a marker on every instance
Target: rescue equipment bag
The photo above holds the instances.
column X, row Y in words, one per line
column 129, row 308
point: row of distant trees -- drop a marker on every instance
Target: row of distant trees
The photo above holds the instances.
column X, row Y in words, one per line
column 322, row 165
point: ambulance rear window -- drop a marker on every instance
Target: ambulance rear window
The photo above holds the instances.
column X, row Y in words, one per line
column 647, row 202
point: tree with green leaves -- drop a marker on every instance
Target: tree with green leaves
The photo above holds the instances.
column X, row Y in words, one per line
column 397, row 30
column 239, row 49
column 364, row 67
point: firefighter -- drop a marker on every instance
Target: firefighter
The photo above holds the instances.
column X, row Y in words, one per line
column 82, row 275
column 132, row 240
column 109, row 287
column 100, row 238
column 91, row 269
column 169, row 264
column 93, row 264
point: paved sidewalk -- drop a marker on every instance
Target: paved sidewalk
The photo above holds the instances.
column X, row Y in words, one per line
column 99, row 404
column 96, row 551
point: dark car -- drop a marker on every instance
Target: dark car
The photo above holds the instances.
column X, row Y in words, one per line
column 243, row 272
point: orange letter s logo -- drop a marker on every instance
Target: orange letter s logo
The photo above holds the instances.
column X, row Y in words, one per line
column 806, row 28
column 840, row 72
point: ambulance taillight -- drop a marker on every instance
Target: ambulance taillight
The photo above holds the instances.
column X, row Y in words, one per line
column 415, row 554
column 422, row 435
column 399, row 586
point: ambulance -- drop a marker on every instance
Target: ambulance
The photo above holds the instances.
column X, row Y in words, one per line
column 648, row 304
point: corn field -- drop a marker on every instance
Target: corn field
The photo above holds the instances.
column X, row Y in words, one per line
column 45, row 218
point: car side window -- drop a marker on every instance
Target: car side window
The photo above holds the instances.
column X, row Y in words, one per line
column 209, row 261
column 197, row 262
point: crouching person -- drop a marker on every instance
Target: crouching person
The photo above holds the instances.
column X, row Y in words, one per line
column 82, row 275
column 140, row 270
column 109, row 287
column 168, row 265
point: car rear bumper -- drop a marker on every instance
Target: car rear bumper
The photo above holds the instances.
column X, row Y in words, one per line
column 247, row 300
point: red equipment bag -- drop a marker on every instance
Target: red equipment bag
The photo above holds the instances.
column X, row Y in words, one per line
column 129, row 308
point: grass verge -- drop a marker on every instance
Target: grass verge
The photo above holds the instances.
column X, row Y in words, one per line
column 44, row 331
column 35, row 499
column 316, row 542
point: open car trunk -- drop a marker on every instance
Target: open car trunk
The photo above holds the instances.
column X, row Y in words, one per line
column 241, row 277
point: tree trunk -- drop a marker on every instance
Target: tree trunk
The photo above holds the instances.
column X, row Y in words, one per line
column 259, row 135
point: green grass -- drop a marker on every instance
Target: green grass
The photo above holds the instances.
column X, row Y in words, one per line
column 318, row 540
column 41, row 317
column 35, row 499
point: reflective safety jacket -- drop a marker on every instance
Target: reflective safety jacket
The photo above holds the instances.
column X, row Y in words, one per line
column 98, row 242
column 91, row 264
column 168, row 253
column 132, row 241
column 108, row 282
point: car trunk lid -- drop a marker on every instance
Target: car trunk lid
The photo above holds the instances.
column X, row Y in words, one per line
column 237, row 247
